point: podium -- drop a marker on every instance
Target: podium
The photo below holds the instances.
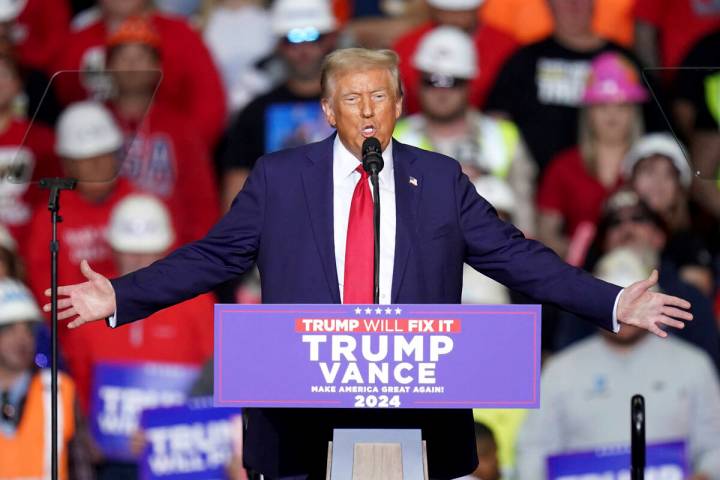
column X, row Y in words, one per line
column 377, row 357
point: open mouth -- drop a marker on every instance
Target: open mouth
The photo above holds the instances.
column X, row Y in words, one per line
column 368, row 131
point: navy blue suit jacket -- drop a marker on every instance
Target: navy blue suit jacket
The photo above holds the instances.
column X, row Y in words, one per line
column 283, row 221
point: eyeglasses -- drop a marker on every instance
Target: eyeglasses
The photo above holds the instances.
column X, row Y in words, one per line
column 303, row 35
column 436, row 80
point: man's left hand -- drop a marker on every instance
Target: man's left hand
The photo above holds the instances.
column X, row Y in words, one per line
column 648, row 310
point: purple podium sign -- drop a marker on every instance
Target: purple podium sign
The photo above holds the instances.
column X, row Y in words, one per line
column 377, row 356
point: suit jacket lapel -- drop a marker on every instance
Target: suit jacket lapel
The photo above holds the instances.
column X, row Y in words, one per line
column 318, row 185
column 408, row 187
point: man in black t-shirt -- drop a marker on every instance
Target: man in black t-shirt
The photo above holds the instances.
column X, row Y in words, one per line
column 541, row 86
column 290, row 114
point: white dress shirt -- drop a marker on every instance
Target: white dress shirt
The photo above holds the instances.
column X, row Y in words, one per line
column 345, row 179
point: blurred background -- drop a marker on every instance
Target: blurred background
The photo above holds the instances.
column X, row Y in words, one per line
column 592, row 125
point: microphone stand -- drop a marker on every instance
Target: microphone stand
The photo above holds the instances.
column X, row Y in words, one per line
column 55, row 185
column 376, row 228
column 637, row 426
column 372, row 162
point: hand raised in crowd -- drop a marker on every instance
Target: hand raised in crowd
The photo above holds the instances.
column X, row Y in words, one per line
column 87, row 301
column 645, row 309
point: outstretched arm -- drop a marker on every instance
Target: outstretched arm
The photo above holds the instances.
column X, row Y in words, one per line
column 500, row 251
column 228, row 250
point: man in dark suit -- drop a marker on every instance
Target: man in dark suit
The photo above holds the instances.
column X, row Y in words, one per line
column 304, row 218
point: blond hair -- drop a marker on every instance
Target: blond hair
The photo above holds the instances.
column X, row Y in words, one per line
column 359, row 59
column 587, row 141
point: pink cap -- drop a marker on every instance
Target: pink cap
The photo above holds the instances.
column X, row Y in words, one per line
column 613, row 79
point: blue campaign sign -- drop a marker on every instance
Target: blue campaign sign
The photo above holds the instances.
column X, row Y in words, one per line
column 121, row 391
column 664, row 461
column 188, row 443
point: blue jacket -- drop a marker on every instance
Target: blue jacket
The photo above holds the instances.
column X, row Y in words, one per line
column 283, row 221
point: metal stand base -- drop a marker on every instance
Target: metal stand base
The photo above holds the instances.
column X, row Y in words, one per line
column 368, row 454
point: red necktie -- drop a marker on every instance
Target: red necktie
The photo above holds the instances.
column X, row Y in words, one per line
column 359, row 248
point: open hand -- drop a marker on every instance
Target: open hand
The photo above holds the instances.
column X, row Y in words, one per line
column 642, row 308
column 88, row 301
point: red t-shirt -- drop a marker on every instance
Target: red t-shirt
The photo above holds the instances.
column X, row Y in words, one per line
column 680, row 24
column 81, row 235
column 190, row 87
column 181, row 334
column 569, row 189
column 40, row 32
column 163, row 158
column 493, row 48
column 32, row 160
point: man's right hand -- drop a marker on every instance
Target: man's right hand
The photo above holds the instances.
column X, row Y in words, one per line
column 87, row 301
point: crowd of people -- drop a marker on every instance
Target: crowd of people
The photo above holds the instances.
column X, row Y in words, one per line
column 592, row 125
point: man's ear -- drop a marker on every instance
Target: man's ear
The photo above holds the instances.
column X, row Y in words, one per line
column 398, row 107
column 328, row 111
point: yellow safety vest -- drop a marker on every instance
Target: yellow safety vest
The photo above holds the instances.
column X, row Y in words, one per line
column 498, row 139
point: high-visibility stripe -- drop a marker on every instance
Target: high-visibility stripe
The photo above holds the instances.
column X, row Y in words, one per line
column 511, row 140
column 45, row 376
column 712, row 95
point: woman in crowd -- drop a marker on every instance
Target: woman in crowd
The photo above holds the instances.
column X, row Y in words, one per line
column 657, row 169
column 578, row 180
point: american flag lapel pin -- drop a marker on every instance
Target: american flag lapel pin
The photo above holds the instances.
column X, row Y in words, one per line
column 413, row 181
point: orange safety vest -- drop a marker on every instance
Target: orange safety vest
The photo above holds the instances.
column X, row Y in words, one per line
column 26, row 454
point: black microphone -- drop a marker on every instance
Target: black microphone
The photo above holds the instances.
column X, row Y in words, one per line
column 372, row 156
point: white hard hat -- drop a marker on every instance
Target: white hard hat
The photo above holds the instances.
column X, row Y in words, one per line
column 624, row 266
column 140, row 224
column 6, row 239
column 11, row 9
column 659, row 144
column 16, row 303
column 290, row 15
column 497, row 192
column 455, row 4
column 87, row 129
column 447, row 51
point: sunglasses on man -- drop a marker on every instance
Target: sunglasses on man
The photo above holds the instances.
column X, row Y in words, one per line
column 436, row 80
column 634, row 217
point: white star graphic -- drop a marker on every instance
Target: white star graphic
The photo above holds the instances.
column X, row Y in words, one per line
column 398, row 311
column 358, row 311
column 378, row 311
column 368, row 311
column 388, row 311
